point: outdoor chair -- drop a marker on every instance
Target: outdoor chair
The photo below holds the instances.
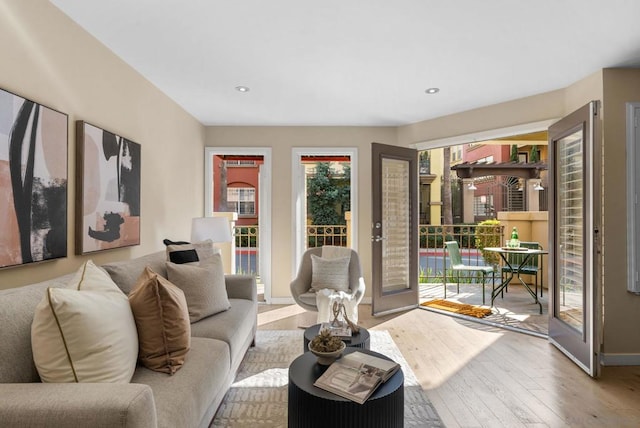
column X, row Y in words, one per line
column 532, row 267
column 457, row 265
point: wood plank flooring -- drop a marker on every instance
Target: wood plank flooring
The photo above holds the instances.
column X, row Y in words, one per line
column 480, row 376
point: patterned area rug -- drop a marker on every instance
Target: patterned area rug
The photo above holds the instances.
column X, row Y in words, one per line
column 258, row 397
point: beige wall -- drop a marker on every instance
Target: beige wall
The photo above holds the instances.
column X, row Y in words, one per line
column 49, row 59
column 621, row 308
column 521, row 111
column 282, row 140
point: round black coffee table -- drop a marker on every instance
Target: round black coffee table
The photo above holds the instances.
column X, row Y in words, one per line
column 310, row 406
column 361, row 340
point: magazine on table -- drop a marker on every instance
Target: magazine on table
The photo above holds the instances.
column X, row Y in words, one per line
column 356, row 376
column 342, row 330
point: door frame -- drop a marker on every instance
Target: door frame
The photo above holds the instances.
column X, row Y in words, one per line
column 298, row 187
column 264, row 202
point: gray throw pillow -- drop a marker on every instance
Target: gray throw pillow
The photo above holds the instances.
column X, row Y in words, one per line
column 330, row 273
column 203, row 286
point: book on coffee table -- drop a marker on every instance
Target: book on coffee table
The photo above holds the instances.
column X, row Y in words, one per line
column 342, row 331
column 356, row 376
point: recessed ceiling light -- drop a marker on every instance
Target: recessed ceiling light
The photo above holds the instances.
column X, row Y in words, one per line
column 242, row 88
column 432, row 90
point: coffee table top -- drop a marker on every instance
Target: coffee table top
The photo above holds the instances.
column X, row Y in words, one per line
column 304, row 371
column 355, row 340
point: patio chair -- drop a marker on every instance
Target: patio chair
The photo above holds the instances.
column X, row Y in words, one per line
column 532, row 267
column 457, row 265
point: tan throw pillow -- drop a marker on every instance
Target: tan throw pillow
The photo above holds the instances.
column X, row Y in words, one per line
column 203, row 286
column 330, row 273
column 85, row 332
column 162, row 318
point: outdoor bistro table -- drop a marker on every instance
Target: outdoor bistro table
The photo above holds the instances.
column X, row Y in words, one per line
column 526, row 253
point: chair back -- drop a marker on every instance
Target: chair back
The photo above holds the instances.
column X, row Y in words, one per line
column 534, row 259
column 454, row 253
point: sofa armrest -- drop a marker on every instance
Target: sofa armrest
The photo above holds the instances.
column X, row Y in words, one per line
column 241, row 287
column 77, row 405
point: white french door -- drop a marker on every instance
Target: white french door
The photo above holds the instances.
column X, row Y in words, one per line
column 574, row 307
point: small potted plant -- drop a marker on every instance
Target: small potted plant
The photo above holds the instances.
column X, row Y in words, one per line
column 326, row 347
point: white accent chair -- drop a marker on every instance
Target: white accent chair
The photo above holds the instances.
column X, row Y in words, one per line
column 301, row 285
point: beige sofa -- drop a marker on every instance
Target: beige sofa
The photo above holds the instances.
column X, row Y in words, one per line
column 189, row 398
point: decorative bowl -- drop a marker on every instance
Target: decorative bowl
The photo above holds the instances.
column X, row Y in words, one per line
column 327, row 358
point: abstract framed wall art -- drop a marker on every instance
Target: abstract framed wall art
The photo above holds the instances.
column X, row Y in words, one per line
column 33, row 181
column 108, row 189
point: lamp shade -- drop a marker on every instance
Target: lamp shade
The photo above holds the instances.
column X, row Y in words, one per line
column 217, row 229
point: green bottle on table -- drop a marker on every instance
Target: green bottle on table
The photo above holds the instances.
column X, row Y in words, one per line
column 515, row 242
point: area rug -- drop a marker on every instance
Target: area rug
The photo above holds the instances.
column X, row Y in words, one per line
column 258, row 397
column 458, row 308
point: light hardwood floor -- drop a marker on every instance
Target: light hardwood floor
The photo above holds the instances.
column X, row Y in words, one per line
column 482, row 376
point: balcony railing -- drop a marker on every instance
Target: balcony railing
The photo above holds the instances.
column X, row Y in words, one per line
column 247, row 250
column 433, row 265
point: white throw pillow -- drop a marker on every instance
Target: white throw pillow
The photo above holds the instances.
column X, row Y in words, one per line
column 330, row 273
column 85, row 332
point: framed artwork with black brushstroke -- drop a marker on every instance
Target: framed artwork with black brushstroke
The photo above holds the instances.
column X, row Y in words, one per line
column 33, row 181
column 108, row 190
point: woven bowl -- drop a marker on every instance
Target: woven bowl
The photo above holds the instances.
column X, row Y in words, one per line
column 327, row 358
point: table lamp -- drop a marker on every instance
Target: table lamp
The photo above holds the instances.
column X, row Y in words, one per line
column 218, row 229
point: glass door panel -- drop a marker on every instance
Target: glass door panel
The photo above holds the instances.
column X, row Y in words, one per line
column 396, row 224
column 570, row 255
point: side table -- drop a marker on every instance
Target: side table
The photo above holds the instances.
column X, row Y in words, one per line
column 310, row 406
column 361, row 340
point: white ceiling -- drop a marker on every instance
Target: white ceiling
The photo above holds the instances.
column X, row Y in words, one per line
column 359, row 62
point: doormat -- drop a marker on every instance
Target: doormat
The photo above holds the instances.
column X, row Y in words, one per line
column 458, row 308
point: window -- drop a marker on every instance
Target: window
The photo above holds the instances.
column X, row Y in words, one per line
column 483, row 206
column 242, row 200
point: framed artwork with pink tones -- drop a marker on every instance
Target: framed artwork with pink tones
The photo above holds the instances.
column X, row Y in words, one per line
column 33, row 181
column 108, row 189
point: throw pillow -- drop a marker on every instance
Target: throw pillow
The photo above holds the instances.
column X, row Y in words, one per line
column 203, row 286
column 85, row 332
column 190, row 252
column 330, row 273
column 162, row 318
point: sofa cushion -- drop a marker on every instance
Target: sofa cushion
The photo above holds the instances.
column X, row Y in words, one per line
column 235, row 326
column 182, row 399
column 17, row 306
column 86, row 332
column 330, row 273
column 162, row 319
column 125, row 273
column 203, row 286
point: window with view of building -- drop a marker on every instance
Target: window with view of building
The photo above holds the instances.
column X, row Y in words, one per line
column 483, row 206
column 242, row 200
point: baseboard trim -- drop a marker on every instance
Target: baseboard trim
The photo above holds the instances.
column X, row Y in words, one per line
column 290, row 301
column 620, row 359
column 282, row 301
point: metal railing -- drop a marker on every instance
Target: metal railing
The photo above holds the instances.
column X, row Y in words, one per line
column 434, row 263
column 332, row 234
column 247, row 250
